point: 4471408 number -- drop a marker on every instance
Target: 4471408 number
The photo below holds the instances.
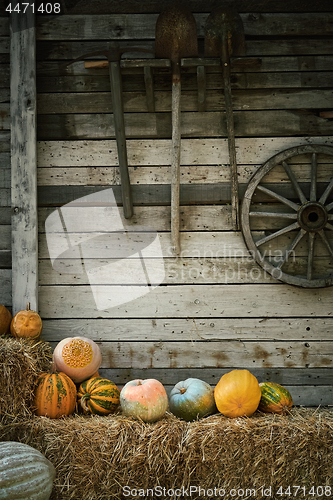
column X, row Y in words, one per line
column 314, row 491
column 40, row 8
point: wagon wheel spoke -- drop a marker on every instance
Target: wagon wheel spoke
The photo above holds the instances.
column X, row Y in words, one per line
column 294, row 182
column 329, row 226
column 278, row 197
column 292, row 247
column 329, row 207
column 327, row 243
column 313, row 187
column 326, row 194
column 273, row 214
column 270, row 237
column 310, row 256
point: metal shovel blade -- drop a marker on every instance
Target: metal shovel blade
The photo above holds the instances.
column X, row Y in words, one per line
column 175, row 38
column 224, row 37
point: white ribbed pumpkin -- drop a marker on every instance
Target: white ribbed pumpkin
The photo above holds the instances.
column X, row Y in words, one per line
column 25, row 474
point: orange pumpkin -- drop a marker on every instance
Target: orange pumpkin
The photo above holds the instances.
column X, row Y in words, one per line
column 55, row 395
column 26, row 324
column 237, row 394
column 78, row 357
column 5, row 320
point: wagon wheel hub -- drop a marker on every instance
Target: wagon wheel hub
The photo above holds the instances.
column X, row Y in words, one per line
column 312, row 216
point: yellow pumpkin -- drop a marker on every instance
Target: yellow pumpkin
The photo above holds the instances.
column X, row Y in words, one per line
column 5, row 320
column 237, row 394
column 26, row 324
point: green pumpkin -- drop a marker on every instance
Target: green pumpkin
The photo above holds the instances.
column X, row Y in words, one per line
column 274, row 398
column 192, row 399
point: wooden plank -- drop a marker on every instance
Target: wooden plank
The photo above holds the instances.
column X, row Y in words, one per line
column 138, row 26
column 5, row 76
column 159, row 194
column 253, row 6
column 6, row 261
column 5, row 215
column 217, row 354
column 6, row 287
column 90, row 153
column 240, row 81
column 4, row 95
column 200, row 174
column 5, row 237
column 100, row 102
column 190, row 329
column 195, row 301
column 265, row 64
column 263, row 123
column 5, row 198
column 4, row 116
column 297, row 378
column 24, row 161
column 178, row 272
column 4, row 141
column 69, row 50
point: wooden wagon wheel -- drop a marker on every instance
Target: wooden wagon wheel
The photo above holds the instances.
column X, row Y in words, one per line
column 298, row 215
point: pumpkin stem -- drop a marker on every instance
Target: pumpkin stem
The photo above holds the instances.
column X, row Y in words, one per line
column 28, row 306
column 139, row 382
column 182, row 390
column 83, row 402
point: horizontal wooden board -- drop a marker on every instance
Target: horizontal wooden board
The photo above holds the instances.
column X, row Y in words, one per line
column 121, row 26
column 4, row 116
column 5, row 237
column 262, row 64
column 4, row 95
column 70, row 50
column 4, row 141
column 263, row 123
column 135, row 83
column 5, row 215
column 200, row 174
column 190, row 329
column 6, row 263
column 217, row 354
column 159, row 194
column 6, row 286
column 194, row 301
column 100, row 102
column 194, row 152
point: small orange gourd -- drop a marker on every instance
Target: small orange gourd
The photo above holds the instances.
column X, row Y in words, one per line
column 26, row 324
column 237, row 394
column 5, row 320
column 55, row 395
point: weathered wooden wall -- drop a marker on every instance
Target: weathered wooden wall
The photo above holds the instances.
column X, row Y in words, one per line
column 216, row 309
column 5, row 211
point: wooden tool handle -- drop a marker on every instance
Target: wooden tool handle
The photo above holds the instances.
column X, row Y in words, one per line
column 96, row 64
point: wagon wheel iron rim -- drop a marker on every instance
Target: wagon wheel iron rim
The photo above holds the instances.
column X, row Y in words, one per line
column 308, row 215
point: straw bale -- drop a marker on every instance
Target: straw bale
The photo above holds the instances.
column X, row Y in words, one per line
column 21, row 360
column 96, row 457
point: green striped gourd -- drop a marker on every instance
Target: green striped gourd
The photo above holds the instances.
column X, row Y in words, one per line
column 98, row 396
column 274, row 398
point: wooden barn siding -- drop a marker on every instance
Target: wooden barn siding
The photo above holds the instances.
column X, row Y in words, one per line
column 5, row 211
column 216, row 308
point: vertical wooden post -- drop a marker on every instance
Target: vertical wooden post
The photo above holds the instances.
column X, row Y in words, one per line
column 23, row 160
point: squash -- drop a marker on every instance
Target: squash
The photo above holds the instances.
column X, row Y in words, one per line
column 5, row 320
column 144, row 399
column 237, row 394
column 274, row 398
column 78, row 357
column 55, row 395
column 192, row 399
column 25, row 473
column 26, row 324
column 98, row 396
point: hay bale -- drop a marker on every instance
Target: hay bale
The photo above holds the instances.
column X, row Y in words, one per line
column 96, row 457
column 21, row 360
